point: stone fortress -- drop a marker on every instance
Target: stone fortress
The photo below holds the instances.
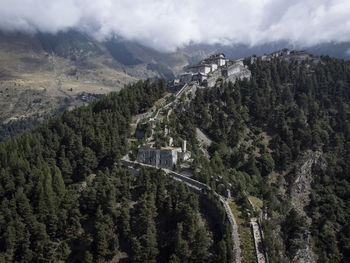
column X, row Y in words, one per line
column 166, row 157
column 218, row 67
column 215, row 67
column 204, row 74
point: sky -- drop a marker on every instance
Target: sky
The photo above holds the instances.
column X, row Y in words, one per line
column 169, row 24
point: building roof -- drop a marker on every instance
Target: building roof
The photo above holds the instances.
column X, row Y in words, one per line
column 187, row 73
column 218, row 55
column 171, row 148
column 200, row 66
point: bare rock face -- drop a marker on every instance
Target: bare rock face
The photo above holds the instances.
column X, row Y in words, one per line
column 202, row 138
column 304, row 254
column 306, row 168
column 307, row 165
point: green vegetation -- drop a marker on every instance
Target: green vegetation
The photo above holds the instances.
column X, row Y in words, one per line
column 256, row 202
column 12, row 128
column 301, row 107
column 245, row 234
column 65, row 197
column 54, row 209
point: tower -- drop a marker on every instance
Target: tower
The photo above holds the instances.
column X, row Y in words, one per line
column 183, row 146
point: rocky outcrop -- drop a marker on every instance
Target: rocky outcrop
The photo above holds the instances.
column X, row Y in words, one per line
column 306, row 169
column 202, row 138
column 304, row 254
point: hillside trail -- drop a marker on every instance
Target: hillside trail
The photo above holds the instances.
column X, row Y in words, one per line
column 193, row 184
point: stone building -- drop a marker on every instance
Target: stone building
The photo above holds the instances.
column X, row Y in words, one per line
column 186, row 77
column 232, row 69
column 199, row 77
column 164, row 157
column 218, row 59
column 201, row 68
column 157, row 157
column 221, row 61
column 214, row 67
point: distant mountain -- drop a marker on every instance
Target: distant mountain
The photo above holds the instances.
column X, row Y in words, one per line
column 42, row 74
column 337, row 50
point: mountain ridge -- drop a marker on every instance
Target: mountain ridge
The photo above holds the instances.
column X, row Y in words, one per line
column 41, row 74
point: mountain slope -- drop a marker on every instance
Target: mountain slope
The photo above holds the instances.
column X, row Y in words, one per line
column 282, row 136
column 36, row 80
column 65, row 197
column 42, row 74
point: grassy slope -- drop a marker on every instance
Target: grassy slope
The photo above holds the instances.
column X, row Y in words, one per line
column 41, row 73
column 34, row 82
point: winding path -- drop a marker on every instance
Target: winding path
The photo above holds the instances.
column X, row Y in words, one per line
column 194, row 185
column 199, row 188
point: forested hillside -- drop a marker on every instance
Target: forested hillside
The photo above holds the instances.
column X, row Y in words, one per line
column 261, row 130
column 65, row 196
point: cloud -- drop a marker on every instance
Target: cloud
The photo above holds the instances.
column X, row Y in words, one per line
column 168, row 24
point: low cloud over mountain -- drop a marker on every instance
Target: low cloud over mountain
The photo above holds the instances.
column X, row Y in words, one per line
column 168, row 24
